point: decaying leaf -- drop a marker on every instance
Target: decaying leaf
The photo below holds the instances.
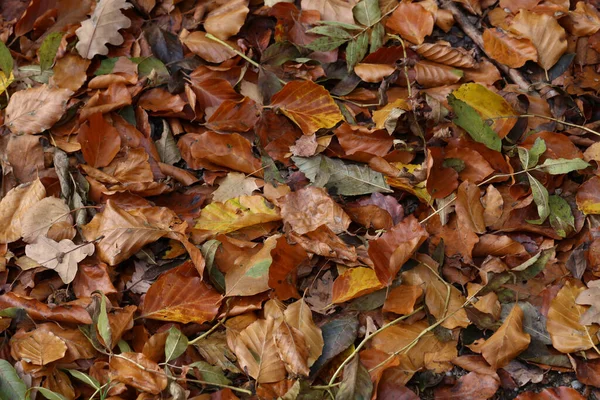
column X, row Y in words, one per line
column 62, row 257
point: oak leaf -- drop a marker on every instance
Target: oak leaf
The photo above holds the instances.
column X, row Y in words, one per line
column 37, row 109
column 62, row 257
column 102, row 28
column 507, row 342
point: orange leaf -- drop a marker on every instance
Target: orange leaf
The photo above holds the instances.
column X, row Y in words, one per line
column 283, row 270
column 401, row 299
column 207, row 49
column 373, row 73
column 307, row 104
column 38, row 347
column 353, row 283
column 412, row 21
column 507, row 49
column 100, row 141
column 445, row 54
column 126, row 368
column 507, row 342
column 469, row 208
column 179, row 295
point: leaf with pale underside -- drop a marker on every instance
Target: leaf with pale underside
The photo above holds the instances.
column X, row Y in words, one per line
column 62, row 256
column 11, row 385
column 234, row 185
column 541, row 199
column 102, row 28
column 37, row 109
column 45, row 213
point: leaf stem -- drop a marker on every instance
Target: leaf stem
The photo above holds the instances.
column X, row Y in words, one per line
column 208, row 332
column 572, row 125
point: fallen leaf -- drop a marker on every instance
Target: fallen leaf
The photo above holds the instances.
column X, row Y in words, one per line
column 236, row 213
column 292, row 348
column 299, row 316
column 234, row 185
column 356, row 383
column 38, row 347
column 412, row 21
column 402, row 298
column 471, row 386
column 508, row 49
column 447, row 55
column 15, row 205
column 226, row 20
column 588, row 196
column 469, row 209
column 590, row 298
column 100, row 141
column 556, row 393
column 507, row 342
column 102, row 28
column 308, row 105
column 332, row 10
column 135, row 370
column 353, row 283
column 207, row 49
column 38, row 219
column 63, row 257
column 37, row 109
column 38, row 311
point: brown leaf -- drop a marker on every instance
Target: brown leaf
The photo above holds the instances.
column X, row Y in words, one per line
column 100, row 141
column 429, row 74
column 42, row 216
column 412, row 21
column 38, row 311
column 556, row 393
column 292, row 348
column 545, row 33
column 15, row 205
column 566, row 332
column 507, row 342
column 234, row 116
column 444, row 54
column 283, row 271
column 179, row 295
column 309, row 105
column 332, row 10
column 590, row 297
column 226, row 20
column 469, row 209
column 62, row 257
column 78, row 345
column 102, row 28
column 299, row 316
column 207, row 49
column 230, row 151
column 583, row 21
column 373, row 73
column 402, row 298
column 307, row 209
column 70, row 72
column 508, row 49
column 471, row 386
column 25, row 155
column 135, row 370
column 395, row 247
column 257, row 352
column 37, row 109
column 38, row 347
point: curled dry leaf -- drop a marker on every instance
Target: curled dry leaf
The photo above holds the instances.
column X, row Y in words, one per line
column 63, row 257
column 39, row 347
column 102, row 28
column 430, row 74
column 508, row 49
column 37, row 109
column 136, row 370
column 373, row 73
column 309, row 105
column 446, row 54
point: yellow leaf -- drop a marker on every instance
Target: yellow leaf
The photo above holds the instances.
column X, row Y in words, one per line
column 588, row 196
column 237, row 213
column 488, row 105
column 5, row 83
column 390, row 113
column 353, row 283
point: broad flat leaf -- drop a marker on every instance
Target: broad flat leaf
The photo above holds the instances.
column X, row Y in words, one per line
column 469, row 209
column 341, row 178
column 530, row 157
column 544, row 31
column 430, row 74
column 562, row 166
column 468, row 119
column 85, row 378
column 508, row 49
column 257, row 352
column 236, row 213
column 412, row 21
column 38, row 347
column 231, row 151
column 567, row 333
column 395, row 247
column 102, row 28
column 6, row 60
column 353, row 283
column 357, row 50
column 356, row 383
column 100, row 141
column 331, row 31
column 207, row 49
column 62, row 257
column 48, row 49
column 102, row 324
column 126, row 368
column 11, row 386
column 299, row 316
column 338, row 335
column 373, row 73
column 402, row 298
column 210, row 374
column 367, row 12
column 227, row 19
column 584, row 20
column 179, row 295
column 588, row 196
column 251, row 274
column 332, row 10
column 308, row 104
column 37, row 109
column 590, row 297
column 436, row 293
column 292, row 348
column 15, row 205
column 561, row 215
column 493, row 109
column 234, row 185
column 49, row 394
column 175, row 345
column 41, row 216
column 507, row 342
column 541, row 198
column 309, row 208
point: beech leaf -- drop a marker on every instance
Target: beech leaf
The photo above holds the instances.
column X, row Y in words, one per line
column 507, row 342
column 356, row 383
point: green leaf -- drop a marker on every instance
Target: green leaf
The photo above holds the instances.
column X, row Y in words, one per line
column 106, row 66
column 357, row 50
column 468, row 119
column 175, row 345
column 279, row 53
column 356, row 383
column 341, row 178
column 272, row 174
column 49, row 394
column 85, row 378
column 330, row 31
column 103, row 324
column 210, row 373
column 167, row 146
column 11, row 312
column 536, row 267
column 209, row 249
column 561, row 215
column 11, row 386
column 562, row 165
column 152, row 66
column 377, row 37
column 325, row 43
column 455, row 163
column 124, row 346
column 540, row 196
column 48, row 49
column 344, row 25
column 529, row 158
column 367, row 12
column 6, row 60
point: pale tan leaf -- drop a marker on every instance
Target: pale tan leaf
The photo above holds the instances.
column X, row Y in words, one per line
column 446, row 54
column 15, row 205
column 299, row 316
column 207, row 49
column 39, row 219
column 292, row 348
column 62, row 257
column 136, row 370
column 373, row 73
column 102, row 27
column 507, row 342
column 332, row 10
column 469, row 209
column 226, row 20
column 37, row 109
column 234, row 185
column 38, row 347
